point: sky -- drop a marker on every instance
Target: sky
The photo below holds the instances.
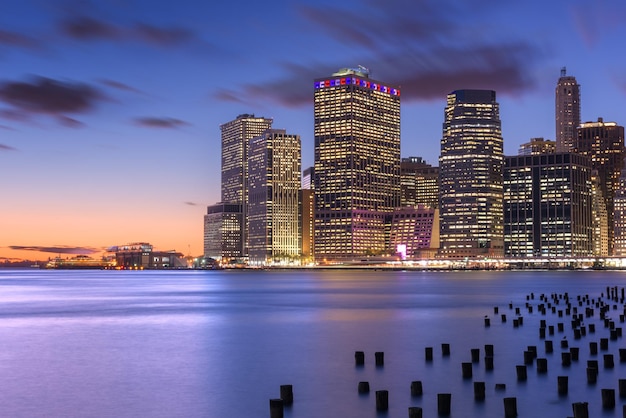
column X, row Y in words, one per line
column 110, row 110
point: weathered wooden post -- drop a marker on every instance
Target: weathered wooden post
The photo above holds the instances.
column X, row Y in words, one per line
column 622, row 388
column 276, row 408
column 510, row 407
column 608, row 398
column 286, row 394
column 574, row 351
column 382, row 400
column 549, row 346
column 428, row 351
column 475, row 352
column 521, row 372
column 581, row 409
column 488, row 363
column 479, row 391
column 467, row 370
column 380, row 358
column 542, row 365
column 608, row 361
column 445, row 349
column 443, row 403
column 416, row 388
column 364, row 387
column 359, row 358
column 562, row 385
column 415, row 412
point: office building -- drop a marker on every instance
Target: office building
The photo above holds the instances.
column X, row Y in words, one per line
column 357, row 163
column 619, row 208
column 223, row 224
column 307, row 178
column 548, row 206
column 603, row 143
column 567, row 101
column 600, row 217
column 419, row 183
column 236, row 135
column 537, row 146
column 470, row 176
column 414, row 232
column 274, row 178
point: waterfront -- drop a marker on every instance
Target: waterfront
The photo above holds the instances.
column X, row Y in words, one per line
column 220, row 343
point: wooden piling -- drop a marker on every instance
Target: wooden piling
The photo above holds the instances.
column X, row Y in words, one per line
column 416, row 388
column 510, row 407
column 364, row 387
column 359, row 358
column 580, row 409
column 467, row 370
column 382, row 400
column 542, row 365
column 562, row 385
column 445, row 349
column 415, row 412
column 380, row 358
column 475, row 353
column 621, row 385
column 593, row 348
column 608, row 398
column 488, row 363
column 608, row 361
column 521, row 372
column 286, row 394
column 428, row 352
column 443, row 403
column 489, row 350
column 548, row 346
column 566, row 359
column 574, row 351
column 276, row 408
column 592, row 375
column 479, row 391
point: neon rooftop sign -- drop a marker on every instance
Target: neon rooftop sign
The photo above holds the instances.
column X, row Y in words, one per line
column 345, row 81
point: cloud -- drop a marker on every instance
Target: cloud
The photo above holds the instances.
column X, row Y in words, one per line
column 191, row 204
column 62, row 249
column 15, row 39
column 152, row 122
column 6, row 148
column 85, row 28
column 416, row 45
column 119, row 85
column 47, row 96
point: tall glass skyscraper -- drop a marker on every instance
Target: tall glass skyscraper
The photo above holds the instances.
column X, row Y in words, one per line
column 357, row 163
column 274, row 232
column 236, row 136
column 470, row 176
column 567, row 111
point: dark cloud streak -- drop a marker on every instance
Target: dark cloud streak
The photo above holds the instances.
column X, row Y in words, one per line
column 56, row 249
column 415, row 45
column 152, row 122
column 6, row 148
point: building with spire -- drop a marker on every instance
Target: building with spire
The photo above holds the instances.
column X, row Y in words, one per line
column 357, row 163
column 470, row 176
column 567, row 101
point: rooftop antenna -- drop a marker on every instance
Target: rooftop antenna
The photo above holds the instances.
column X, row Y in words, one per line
column 563, row 71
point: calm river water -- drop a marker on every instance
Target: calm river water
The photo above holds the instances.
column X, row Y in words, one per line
column 221, row 343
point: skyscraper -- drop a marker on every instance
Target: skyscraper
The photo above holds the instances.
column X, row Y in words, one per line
column 470, row 176
column 236, row 135
column 357, row 163
column 567, row 111
column 537, row 146
column 619, row 202
column 603, row 143
column 273, row 198
column 548, row 206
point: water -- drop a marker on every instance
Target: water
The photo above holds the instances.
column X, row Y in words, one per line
column 220, row 344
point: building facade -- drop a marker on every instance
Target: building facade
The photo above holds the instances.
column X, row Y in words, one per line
column 419, row 183
column 414, row 231
column 603, row 143
column 567, row 106
column 236, row 135
column 274, row 177
column 537, row 146
column 470, row 176
column 548, row 206
column 357, row 163
column 619, row 208
column 223, row 223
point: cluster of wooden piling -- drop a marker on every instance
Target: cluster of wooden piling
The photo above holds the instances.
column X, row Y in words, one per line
column 560, row 305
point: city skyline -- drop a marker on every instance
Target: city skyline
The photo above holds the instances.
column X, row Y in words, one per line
column 110, row 114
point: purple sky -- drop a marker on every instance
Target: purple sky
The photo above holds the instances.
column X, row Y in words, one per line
column 110, row 110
